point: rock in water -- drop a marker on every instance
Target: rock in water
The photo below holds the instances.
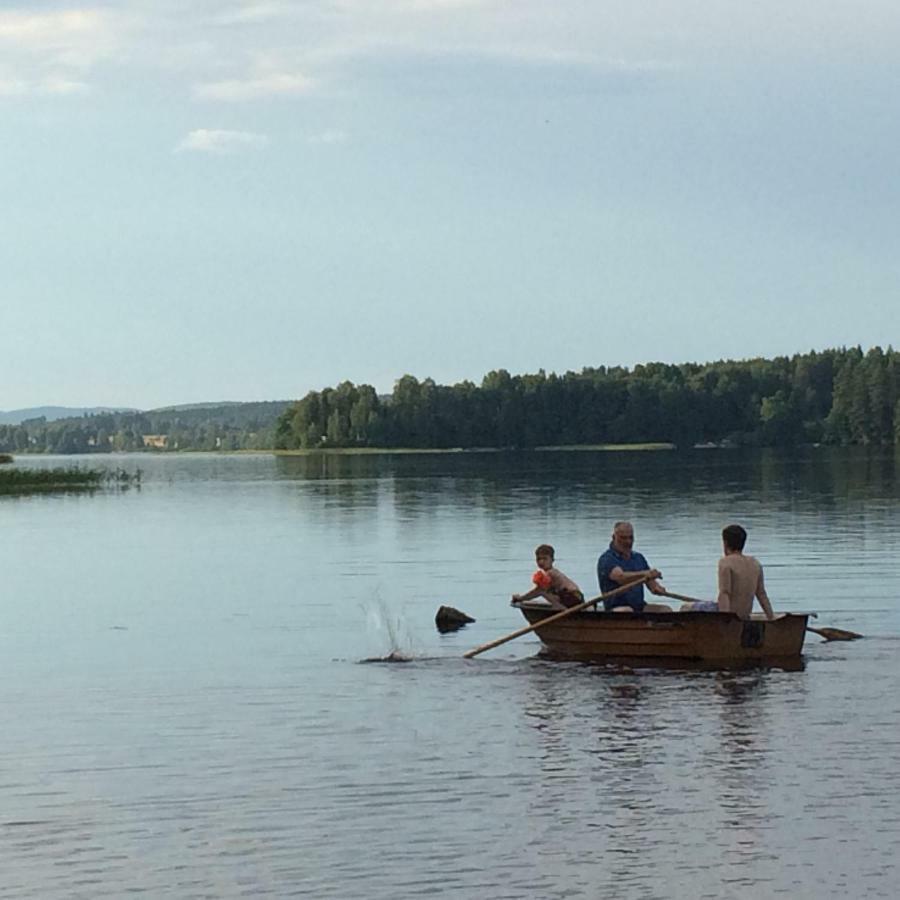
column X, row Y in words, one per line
column 449, row 619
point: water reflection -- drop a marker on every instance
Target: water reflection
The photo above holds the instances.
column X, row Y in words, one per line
column 739, row 769
column 571, row 499
column 679, row 767
column 742, row 737
column 185, row 715
column 766, row 475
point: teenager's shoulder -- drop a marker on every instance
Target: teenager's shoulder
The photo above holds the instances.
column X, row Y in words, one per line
column 739, row 561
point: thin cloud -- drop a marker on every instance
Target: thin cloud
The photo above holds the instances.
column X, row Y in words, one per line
column 399, row 51
column 38, row 30
column 63, row 87
column 545, row 56
column 12, row 87
column 328, row 137
column 254, row 12
column 221, row 141
column 53, row 86
column 237, row 90
column 400, row 7
column 75, row 37
column 299, row 48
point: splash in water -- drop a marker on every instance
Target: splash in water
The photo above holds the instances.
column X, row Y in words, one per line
column 390, row 628
column 395, row 656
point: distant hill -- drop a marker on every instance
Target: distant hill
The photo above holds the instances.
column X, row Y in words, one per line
column 219, row 410
column 211, row 405
column 52, row 413
column 228, row 413
column 193, row 426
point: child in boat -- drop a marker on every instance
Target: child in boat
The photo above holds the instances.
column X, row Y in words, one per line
column 740, row 579
column 559, row 590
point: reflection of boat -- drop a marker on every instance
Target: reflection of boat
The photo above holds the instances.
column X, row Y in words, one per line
column 720, row 638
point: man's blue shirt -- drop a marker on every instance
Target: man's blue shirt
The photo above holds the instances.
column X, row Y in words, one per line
column 634, row 597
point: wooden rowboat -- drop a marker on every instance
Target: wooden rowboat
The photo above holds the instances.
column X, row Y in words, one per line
column 705, row 637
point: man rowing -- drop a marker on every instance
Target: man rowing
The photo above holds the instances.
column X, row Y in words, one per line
column 621, row 565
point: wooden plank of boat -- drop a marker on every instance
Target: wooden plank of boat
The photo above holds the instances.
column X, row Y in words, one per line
column 691, row 636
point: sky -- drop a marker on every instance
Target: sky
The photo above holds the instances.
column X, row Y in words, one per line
column 249, row 200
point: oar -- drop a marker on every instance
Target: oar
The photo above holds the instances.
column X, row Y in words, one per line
column 681, row 597
column 834, row 634
column 560, row 615
column 830, row 634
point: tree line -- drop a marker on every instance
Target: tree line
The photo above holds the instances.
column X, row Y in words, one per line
column 234, row 426
column 837, row 396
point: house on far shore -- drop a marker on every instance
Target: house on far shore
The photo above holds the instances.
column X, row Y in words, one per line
column 156, row 441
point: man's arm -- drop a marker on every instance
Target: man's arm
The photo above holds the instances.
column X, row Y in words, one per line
column 762, row 596
column 724, row 597
column 622, row 577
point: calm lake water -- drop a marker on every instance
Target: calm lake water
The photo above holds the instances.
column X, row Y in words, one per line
column 185, row 712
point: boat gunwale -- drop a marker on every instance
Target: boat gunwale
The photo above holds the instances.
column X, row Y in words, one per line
column 672, row 615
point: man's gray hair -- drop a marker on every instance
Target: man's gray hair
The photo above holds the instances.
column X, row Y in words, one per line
column 622, row 526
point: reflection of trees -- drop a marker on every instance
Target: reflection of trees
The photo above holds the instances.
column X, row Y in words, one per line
column 341, row 486
column 679, row 767
column 471, row 520
column 740, row 767
column 742, row 740
column 737, row 768
column 826, row 475
column 599, row 746
column 560, row 699
column 504, row 484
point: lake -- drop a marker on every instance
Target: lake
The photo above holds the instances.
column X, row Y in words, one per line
column 186, row 711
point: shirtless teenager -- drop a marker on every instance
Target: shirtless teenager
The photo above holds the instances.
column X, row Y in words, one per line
column 740, row 579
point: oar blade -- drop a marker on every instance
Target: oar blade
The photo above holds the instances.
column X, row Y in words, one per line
column 835, row 634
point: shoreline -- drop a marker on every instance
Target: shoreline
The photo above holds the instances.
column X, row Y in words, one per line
column 372, row 451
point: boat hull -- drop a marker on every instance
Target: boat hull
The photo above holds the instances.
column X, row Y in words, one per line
column 718, row 638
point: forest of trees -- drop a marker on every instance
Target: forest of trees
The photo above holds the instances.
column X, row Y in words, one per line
column 232, row 426
column 841, row 396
